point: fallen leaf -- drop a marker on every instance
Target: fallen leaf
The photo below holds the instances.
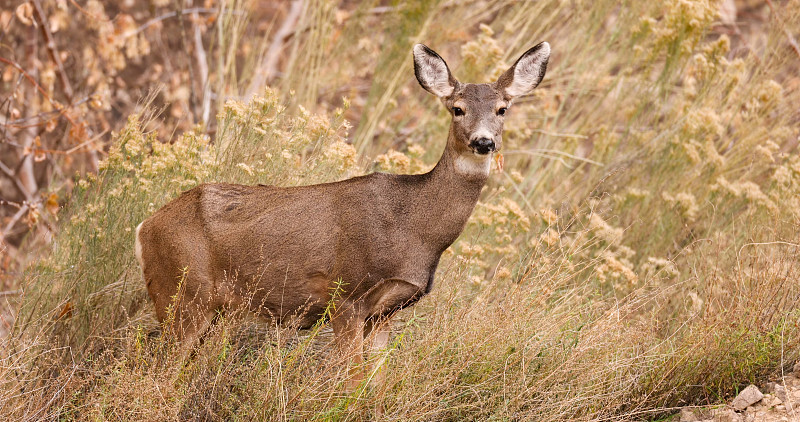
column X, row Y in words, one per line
column 51, row 204
column 39, row 156
column 66, row 311
column 25, row 13
column 5, row 18
column 8, row 73
column 498, row 158
column 33, row 216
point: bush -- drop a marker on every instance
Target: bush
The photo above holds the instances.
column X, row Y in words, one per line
column 639, row 252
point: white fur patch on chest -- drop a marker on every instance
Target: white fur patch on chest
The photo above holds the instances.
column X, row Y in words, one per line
column 473, row 164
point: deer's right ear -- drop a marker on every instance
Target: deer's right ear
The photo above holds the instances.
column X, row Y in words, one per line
column 432, row 72
column 527, row 72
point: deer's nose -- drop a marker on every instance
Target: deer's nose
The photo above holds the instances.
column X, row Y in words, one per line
column 482, row 145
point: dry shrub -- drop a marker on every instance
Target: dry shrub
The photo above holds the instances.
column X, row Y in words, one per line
column 638, row 254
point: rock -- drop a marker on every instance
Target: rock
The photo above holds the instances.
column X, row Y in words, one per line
column 796, row 369
column 747, row 397
column 726, row 415
column 687, row 415
column 780, row 393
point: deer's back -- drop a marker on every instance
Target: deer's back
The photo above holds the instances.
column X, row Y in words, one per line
column 266, row 242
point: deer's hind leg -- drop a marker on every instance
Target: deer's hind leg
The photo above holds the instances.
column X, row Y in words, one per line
column 185, row 304
column 191, row 323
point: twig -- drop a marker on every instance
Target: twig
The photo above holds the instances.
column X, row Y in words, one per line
column 56, row 151
column 16, row 205
column 81, row 145
column 37, row 86
column 78, row 6
column 11, row 292
column 17, row 124
column 789, row 36
column 776, row 242
column 545, row 152
column 269, row 65
column 17, row 183
column 792, row 42
column 14, row 219
column 561, row 135
column 51, row 48
column 189, row 11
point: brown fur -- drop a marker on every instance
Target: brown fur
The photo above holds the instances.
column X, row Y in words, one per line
column 282, row 252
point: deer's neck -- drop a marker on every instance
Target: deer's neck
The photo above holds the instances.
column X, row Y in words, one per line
column 449, row 194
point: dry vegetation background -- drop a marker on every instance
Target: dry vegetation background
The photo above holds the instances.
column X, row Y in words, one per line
column 638, row 253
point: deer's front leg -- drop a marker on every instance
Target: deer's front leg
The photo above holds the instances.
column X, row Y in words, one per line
column 376, row 334
column 348, row 331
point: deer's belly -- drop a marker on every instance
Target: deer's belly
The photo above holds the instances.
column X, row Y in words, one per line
column 280, row 294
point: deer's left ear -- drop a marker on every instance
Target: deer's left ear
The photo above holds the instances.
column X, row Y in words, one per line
column 527, row 72
column 432, row 72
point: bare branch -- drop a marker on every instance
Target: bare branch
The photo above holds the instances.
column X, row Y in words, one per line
column 38, row 87
column 202, row 64
column 51, row 48
column 14, row 219
column 41, row 118
column 189, row 11
column 269, row 66
column 792, row 42
column 17, row 183
column 27, row 136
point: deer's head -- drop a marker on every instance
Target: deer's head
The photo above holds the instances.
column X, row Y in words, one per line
column 478, row 110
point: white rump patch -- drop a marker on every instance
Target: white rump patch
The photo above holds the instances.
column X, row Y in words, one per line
column 473, row 164
column 137, row 248
column 432, row 72
column 529, row 71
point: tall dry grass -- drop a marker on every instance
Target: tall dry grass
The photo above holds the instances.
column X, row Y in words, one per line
column 638, row 253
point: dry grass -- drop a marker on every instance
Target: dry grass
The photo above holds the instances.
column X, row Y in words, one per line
column 639, row 253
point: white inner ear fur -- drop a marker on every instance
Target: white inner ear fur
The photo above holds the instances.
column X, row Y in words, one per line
column 473, row 164
column 528, row 71
column 433, row 72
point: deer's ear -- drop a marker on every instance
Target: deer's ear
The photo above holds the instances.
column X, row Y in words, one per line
column 432, row 72
column 527, row 72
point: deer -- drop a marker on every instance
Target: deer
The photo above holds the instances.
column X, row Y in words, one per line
column 371, row 244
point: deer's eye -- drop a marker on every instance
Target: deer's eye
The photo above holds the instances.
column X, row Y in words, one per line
column 458, row 111
column 502, row 111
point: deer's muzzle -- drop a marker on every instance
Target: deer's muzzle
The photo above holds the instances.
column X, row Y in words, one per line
column 482, row 145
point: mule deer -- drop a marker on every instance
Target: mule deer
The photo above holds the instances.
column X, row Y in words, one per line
column 377, row 239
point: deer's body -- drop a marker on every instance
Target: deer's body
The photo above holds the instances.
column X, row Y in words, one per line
column 375, row 238
column 371, row 244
